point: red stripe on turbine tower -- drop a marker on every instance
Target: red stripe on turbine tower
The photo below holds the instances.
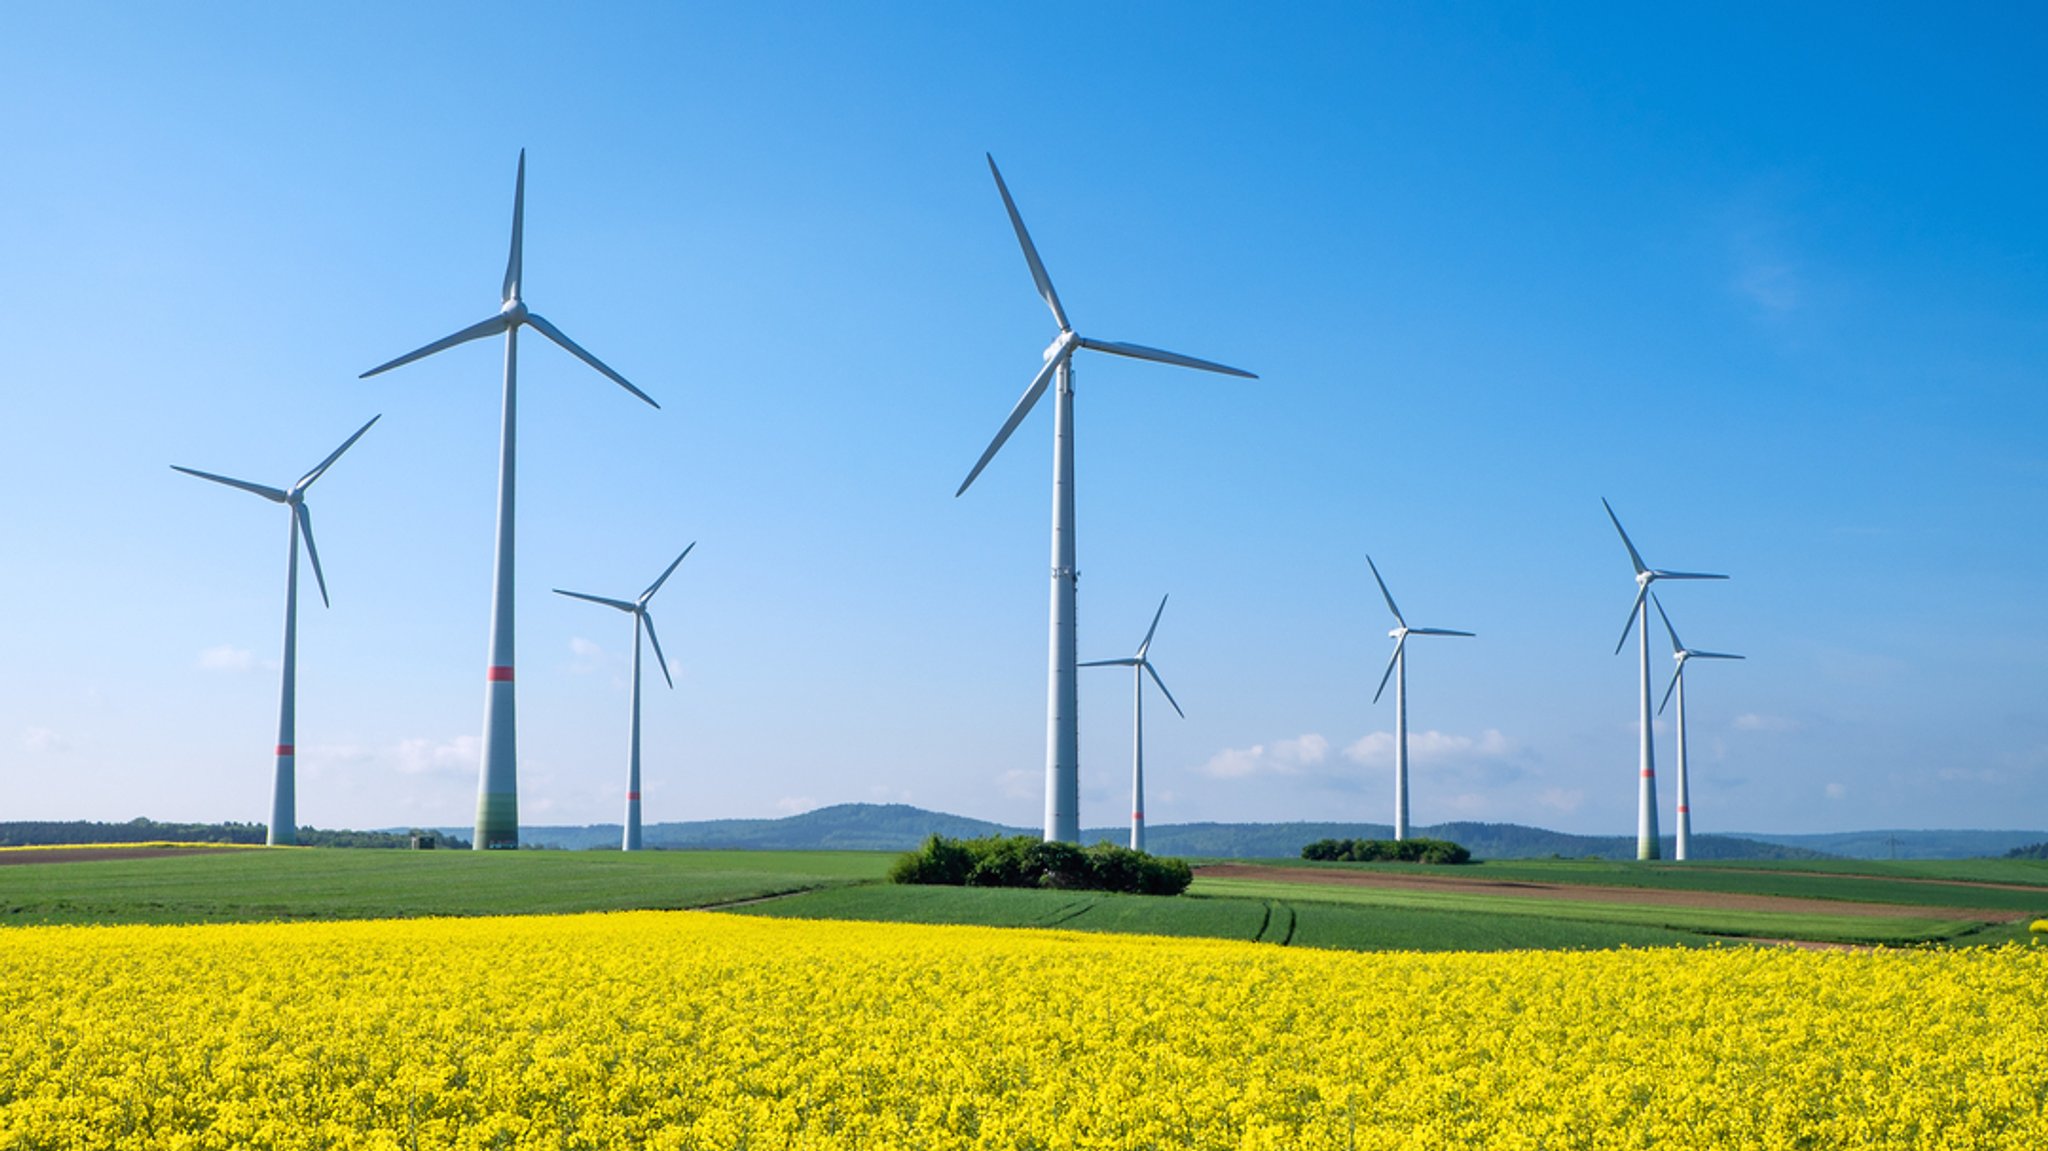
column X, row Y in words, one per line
column 1647, row 774
column 498, row 674
column 284, row 749
column 633, row 796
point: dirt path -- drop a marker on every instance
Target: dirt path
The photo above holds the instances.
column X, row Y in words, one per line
column 1524, row 889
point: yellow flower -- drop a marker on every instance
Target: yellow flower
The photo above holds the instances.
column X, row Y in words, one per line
column 693, row 1030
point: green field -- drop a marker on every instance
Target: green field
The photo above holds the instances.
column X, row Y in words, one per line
column 1702, row 922
column 1282, row 920
column 1929, row 883
column 203, row 885
column 1932, row 901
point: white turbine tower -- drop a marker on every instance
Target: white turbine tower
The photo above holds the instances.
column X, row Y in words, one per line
column 497, row 801
column 1647, row 846
column 1140, row 668
column 1679, row 654
column 1397, row 667
column 284, row 815
column 642, row 619
column 1062, row 741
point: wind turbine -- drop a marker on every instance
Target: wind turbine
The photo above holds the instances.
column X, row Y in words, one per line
column 497, row 801
column 1398, row 663
column 1062, row 741
column 641, row 619
column 1140, row 668
column 1679, row 654
column 284, row 819
column 1647, row 846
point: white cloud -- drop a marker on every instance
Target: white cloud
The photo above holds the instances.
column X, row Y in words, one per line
column 1562, row 799
column 585, row 656
column 44, row 739
column 226, row 657
column 1764, row 264
column 439, row 757
column 1282, row 757
column 1837, row 791
column 320, row 759
column 1430, row 747
column 1756, row 721
column 795, row 804
column 1770, row 284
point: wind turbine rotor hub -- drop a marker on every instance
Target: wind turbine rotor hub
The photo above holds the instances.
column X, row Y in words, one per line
column 1397, row 633
column 514, row 310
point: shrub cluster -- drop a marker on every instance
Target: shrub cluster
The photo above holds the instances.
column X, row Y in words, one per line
column 1387, row 851
column 1022, row 861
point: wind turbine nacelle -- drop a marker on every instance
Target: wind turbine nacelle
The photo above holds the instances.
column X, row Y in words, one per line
column 515, row 310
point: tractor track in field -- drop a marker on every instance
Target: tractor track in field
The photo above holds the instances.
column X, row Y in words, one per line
column 1590, row 893
column 749, row 901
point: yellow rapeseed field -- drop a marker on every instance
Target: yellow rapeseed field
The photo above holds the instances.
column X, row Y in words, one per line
column 699, row 1030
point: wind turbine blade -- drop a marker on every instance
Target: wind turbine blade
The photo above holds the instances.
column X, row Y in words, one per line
column 659, row 658
column 305, row 518
column 1676, row 646
column 477, row 331
column 512, row 262
column 1017, row 415
column 271, row 494
column 1141, row 352
column 1125, row 662
column 306, row 480
column 1151, row 671
column 1669, row 688
column 1389, row 673
column 1634, row 556
column 1438, row 631
column 1155, row 627
column 554, row 333
column 622, row 605
column 1714, row 655
column 656, row 585
column 1384, row 593
column 1630, row 625
column 1660, row 574
column 1038, row 276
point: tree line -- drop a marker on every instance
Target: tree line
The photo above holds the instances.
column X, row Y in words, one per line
column 50, row 833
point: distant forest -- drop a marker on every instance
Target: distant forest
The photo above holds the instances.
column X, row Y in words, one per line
column 2030, row 851
column 38, row 833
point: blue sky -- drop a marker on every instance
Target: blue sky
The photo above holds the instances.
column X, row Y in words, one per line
column 1773, row 281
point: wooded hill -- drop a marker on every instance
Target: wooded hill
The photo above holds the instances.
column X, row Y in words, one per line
column 899, row 827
